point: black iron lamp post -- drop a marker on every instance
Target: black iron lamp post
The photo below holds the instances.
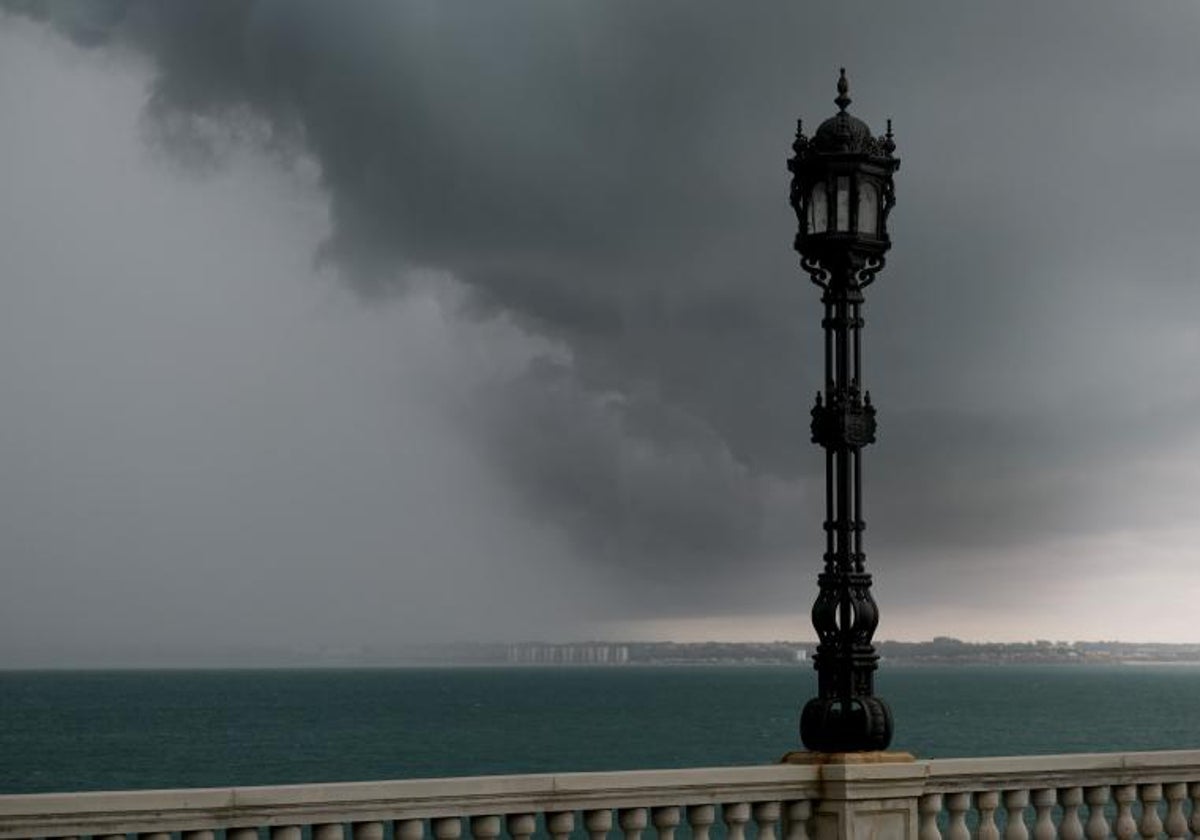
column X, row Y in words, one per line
column 842, row 193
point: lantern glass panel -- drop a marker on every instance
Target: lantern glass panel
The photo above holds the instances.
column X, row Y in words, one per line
column 868, row 209
column 843, row 202
column 818, row 215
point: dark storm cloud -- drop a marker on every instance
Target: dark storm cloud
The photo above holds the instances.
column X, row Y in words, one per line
column 611, row 178
column 622, row 470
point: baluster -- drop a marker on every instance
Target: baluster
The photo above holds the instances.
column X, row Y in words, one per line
column 766, row 815
column 1125, row 828
column 1071, row 799
column 1044, row 800
column 1152, row 824
column 447, row 828
column 736, row 815
column 1097, row 823
column 403, row 829
column 520, row 826
column 987, row 801
column 156, row 835
column 328, row 831
column 598, row 823
column 928, row 808
column 1015, row 802
column 366, row 830
column 1176, row 825
column 484, row 827
column 701, row 818
column 109, row 837
column 277, row 832
column 665, row 819
column 957, row 805
column 239, row 833
column 203, row 834
column 632, row 822
column 798, row 813
column 1194, row 792
column 560, row 824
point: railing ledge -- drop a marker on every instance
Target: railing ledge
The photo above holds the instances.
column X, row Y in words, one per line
column 842, row 799
column 951, row 775
column 142, row 811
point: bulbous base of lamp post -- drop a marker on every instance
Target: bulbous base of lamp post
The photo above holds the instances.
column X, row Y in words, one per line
column 857, row 724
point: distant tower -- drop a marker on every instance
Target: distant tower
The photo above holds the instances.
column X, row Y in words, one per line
column 842, row 192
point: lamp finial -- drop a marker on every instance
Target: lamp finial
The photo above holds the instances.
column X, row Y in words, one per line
column 843, row 87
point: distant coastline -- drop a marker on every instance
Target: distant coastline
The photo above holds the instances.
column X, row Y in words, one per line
column 942, row 650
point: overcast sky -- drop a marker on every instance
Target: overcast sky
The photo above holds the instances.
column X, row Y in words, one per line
column 327, row 326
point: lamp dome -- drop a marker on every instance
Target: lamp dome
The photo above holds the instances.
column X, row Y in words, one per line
column 844, row 133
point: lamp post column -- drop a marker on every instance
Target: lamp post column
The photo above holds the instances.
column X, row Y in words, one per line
column 842, row 192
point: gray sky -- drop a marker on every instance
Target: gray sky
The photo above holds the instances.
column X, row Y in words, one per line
column 326, row 326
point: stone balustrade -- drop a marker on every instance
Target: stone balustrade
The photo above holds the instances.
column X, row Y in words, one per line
column 1092, row 796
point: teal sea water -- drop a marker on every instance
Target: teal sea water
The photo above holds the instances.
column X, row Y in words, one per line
column 106, row 730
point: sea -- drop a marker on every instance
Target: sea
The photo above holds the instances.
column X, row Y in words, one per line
column 107, row 730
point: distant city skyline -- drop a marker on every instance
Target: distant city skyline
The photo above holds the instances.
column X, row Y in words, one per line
column 337, row 325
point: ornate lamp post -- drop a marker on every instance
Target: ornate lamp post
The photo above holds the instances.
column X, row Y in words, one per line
column 842, row 193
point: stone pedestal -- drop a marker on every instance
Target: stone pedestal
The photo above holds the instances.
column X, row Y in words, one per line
column 865, row 795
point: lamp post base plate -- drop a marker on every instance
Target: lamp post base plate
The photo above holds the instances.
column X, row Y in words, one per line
column 876, row 757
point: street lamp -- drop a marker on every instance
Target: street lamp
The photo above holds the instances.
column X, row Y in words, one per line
column 842, row 193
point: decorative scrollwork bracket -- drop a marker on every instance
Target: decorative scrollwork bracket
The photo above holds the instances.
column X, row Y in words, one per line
column 818, row 273
column 865, row 275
